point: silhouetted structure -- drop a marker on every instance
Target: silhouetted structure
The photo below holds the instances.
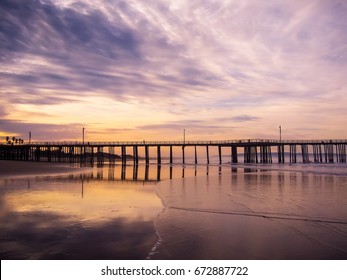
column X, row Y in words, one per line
column 253, row 150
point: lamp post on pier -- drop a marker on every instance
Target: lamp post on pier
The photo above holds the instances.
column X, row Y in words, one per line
column 83, row 129
column 280, row 133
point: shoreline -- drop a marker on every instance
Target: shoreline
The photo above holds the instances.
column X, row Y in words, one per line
column 11, row 168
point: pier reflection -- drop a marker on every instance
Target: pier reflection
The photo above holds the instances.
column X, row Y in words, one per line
column 151, row 173
column 143, row 174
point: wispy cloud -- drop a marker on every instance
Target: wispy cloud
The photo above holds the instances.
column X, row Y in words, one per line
column 163, row 62
column 41, row 131
column 240, row 118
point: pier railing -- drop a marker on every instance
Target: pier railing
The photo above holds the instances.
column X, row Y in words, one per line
column 253, row 150
column 180, row 143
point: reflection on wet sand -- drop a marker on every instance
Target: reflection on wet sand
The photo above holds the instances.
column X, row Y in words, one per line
column 254, row 215
column 202, row 212
column 37, row 235
column 93, row 215
column 103, row 213
column 154, row 172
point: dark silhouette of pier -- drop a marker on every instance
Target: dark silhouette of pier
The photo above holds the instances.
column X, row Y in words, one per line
column 252, row 150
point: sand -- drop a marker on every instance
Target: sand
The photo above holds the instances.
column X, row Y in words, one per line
column 253, row 215
column 28, row 168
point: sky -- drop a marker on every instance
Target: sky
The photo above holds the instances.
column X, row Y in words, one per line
column 150, row 70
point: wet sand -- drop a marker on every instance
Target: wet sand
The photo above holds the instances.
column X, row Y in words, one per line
column 28, row 168
column 266, row 215
column 202, row 213
column 68, row 216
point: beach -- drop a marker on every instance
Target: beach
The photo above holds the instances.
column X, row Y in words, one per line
column 29, row 168
column 57, row 211
column 254, row 215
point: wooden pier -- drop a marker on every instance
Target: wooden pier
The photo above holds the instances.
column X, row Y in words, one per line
column 252, row 151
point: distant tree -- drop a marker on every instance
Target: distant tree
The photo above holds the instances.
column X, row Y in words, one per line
column 14, row 140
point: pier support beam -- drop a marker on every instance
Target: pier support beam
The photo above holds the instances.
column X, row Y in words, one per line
column 147, row 154
column 280, row 153
column 100, row 155
column 111, row 155
column 207, row 155
column 136, row 154
column 59, row 153
column 124, row 156
column 265, row 154
column 342, row 153
column 234, row 154
column 305, row 155
column 247, row 155
column 49, row 154
column 329, row 153
column 38, row 154
column 71, row 154
column 92, row 155
column 250, row 154
column 171, row 155
column 292, row 153
column 220, row 154
column 158, row 155
column 317, row 153
column 255, row 153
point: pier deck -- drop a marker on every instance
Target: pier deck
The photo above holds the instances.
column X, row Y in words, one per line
column 253, row 151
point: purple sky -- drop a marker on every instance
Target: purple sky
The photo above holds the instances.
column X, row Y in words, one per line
column 134, row 70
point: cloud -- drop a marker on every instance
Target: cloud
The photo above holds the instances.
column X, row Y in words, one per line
column 193, row 127
column 3, row 111
column 61, row 49
column 193, row 59
column 241, row 118
column 41, row 131
column 33, row 26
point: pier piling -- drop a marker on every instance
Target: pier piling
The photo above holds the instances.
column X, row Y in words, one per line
column 328, row 151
